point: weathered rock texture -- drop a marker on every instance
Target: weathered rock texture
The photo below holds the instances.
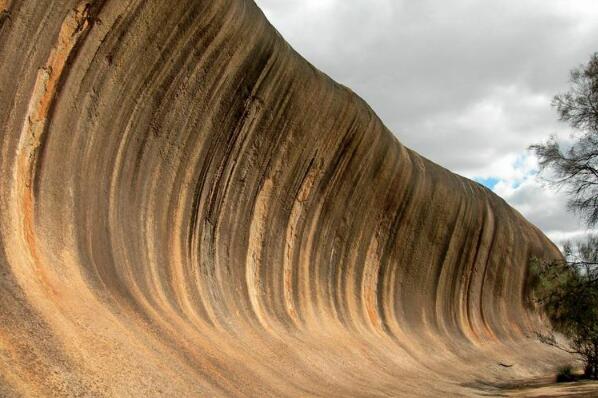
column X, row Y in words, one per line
column 189, row 208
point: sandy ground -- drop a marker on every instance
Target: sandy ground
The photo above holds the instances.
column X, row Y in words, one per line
column 576, row 389
column 543, row 387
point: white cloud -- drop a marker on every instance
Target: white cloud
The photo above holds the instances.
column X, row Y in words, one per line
column 543, row 207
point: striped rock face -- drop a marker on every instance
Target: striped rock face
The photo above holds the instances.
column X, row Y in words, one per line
column 189, row 208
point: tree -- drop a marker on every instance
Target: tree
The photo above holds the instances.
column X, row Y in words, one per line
column 577, row 167
column 567, row 289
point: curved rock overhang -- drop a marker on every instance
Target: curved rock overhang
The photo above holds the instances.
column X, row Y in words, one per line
column 188, row 207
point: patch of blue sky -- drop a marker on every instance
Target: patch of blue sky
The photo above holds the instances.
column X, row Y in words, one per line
column 528, row 170
column 489, row 182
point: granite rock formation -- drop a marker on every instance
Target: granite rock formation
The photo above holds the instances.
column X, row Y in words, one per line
column 189, row 208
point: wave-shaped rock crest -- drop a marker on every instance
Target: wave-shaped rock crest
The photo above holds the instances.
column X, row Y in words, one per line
column 189, row 208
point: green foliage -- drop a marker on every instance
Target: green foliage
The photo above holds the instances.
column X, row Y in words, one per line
column 576, row 168
column 568, row 291
column 565, row 373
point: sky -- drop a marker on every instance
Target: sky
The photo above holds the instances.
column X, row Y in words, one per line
column 466, row 83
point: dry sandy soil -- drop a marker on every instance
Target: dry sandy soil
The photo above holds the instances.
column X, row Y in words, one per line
column 547, row 388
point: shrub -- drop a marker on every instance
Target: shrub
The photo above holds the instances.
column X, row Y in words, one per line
column 564, row 374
